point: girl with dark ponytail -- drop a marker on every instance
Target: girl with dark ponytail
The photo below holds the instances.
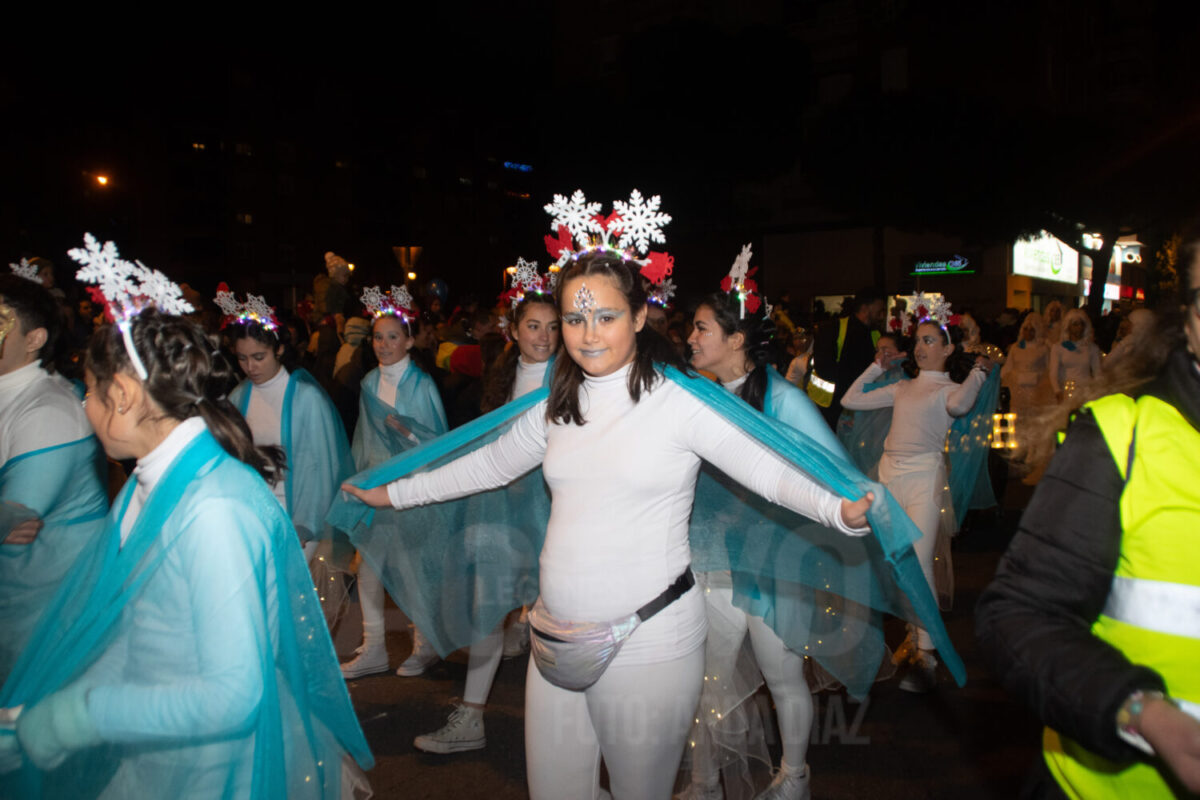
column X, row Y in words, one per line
column 731, row 339
column 186, row 654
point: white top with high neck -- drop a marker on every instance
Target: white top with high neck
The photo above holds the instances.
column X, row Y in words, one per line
column 38, row 410
column 529, row 377
column 622, row 486
column 924, row 407
column 264, row 416
column 152, row 466
column 389, row 378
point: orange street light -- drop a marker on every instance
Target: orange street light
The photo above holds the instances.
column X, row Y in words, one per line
column 412, row 276
column 102, row 180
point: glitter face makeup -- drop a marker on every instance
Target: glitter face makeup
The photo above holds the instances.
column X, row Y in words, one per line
column 585, row 301
column 600, row 332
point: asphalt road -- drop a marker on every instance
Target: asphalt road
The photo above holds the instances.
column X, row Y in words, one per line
column 970, row 742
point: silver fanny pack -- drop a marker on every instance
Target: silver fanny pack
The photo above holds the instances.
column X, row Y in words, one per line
column 573, row 655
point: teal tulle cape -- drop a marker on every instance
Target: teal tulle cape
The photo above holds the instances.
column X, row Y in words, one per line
column 63, row 487
column 316, row 446
column 967, row 445
column 200, row 642
column 457, row 593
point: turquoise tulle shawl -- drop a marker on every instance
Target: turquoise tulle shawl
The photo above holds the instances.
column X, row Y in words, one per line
column 458, row 588
column 213, row 547
column 62, row 486
column 316, row 446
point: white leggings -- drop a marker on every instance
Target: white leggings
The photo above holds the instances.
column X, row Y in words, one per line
column 636, row 717
column 917, row 483
column 782, row 668
column 483, row 661
column 370, row 598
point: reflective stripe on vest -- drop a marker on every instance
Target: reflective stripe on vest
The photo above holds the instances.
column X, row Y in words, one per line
column 1159, row 606
column 1152, row 614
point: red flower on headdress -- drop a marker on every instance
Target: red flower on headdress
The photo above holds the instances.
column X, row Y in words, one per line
column 955, row 319
column 99, row 299
column 604, row 222
column 555, row 246
column 658, row 267
column 753, row 301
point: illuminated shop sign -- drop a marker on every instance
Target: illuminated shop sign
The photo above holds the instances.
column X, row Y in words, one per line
column 1047, row 258
column 954, row 265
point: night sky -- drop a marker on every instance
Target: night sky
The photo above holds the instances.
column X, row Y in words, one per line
column 977, row 119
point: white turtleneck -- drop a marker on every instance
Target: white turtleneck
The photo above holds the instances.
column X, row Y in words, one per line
column 529, row 377
column 152, row 466
column 622, row 486
column 37, row 410
column 389, row 378
column 264, row 416
column 924, row 407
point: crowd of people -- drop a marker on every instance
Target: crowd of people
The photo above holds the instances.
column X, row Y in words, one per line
column 624, row 484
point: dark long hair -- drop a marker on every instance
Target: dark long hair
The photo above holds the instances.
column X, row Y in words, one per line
column 958, row 363
column 563, row 405
column 758, row 330
column 186, row 378
column 501, row 373
column 274, row 339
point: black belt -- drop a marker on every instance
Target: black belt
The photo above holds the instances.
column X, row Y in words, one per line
column 685, row 581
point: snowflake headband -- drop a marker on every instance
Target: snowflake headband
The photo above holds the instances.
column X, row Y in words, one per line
column 125, row 289
column 627, row 231
column 527, row 280
column 26, row 270
column 397, row 303
column 739, row 282
column 661, row 294
column 924, row 308
column 254, row 311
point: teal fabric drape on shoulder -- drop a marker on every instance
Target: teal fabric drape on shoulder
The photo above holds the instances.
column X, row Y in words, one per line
column 444, row 603
column 64, row 488
column 316, row 446
column 200, row 646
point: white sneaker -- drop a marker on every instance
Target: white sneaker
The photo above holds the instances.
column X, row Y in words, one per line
column 702, row 791
column 922, row 674
column 368, row 660
column 789, row 784
column 516, row 639
column 423, row 657
column 464, row 731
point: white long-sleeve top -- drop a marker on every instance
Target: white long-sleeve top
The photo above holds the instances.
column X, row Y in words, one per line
column 622, row 487
column 924, row 408
column 37, row 410
column 1080, row 365
column 529, row 377
column 152, row 466
column 264, row 417
column 389, row 379
column 1026, row 365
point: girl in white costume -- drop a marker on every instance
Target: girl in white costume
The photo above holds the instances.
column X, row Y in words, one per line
column 1026, row 371
column 1075, row 358
column 733, row 343
column 399, row 408
column 533, row 325
column 945, row 383
column 620, row 448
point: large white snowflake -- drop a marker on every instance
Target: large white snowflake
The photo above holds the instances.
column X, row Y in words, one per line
column 741, row 265
column 227, row 302
column 126, row 286
column 526, row 276
column 256, row 306
column 576, row 214
column 26, row 270
column 401, row 297
column 664, row 291
column 372, row 299
column 640, row 221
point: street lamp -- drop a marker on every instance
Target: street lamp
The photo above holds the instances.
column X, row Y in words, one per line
column 412, row 276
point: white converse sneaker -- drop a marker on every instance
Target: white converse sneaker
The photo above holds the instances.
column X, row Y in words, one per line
column 516, row 639
column 423, row 657
column 789, row 784
column 702, row 791
column 464, row 731
column 368, row 660
column 922, row 674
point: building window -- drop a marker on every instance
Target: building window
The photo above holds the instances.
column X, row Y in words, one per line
column 245, row 219
column 242, row 148
column 198, row 145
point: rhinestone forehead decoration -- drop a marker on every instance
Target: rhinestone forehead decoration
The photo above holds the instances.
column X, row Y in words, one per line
column 585, row 301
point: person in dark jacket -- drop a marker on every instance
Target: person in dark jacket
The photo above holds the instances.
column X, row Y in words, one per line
column 1114, row 522
column 844, row 348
